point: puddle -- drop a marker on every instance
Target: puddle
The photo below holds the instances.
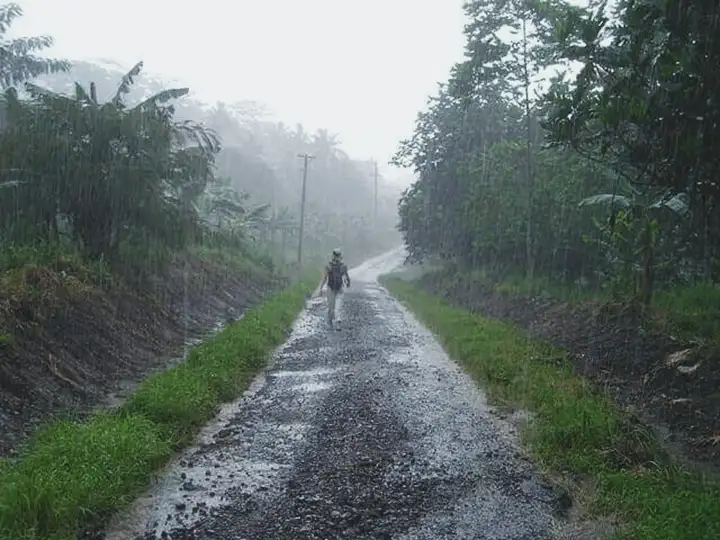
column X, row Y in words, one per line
column 311, row 386
column 510, row 422
column 317, row 372
column 401, row 358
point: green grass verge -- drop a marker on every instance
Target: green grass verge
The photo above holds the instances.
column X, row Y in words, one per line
column 518, row 284
column 577, row 431
column 72, row 473
column 544, row 287
column 690, row 312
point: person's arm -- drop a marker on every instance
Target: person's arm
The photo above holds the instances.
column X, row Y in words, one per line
column 347, row 277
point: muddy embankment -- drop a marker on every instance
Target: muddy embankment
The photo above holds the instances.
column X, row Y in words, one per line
column 67, row 349
column 669, row 384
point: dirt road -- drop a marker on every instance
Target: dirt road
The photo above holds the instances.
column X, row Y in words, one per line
column 364, row 431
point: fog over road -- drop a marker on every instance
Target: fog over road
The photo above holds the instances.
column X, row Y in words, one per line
column 364, row 431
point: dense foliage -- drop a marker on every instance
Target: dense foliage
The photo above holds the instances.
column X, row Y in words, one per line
column 262, row 160
column 102, row 173
column 258, row 165
column 602, row 174
column 115, row 164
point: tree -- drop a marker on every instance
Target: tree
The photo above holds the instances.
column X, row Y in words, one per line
column 112, row 172
column 225, row 214
column 645, row 101
column 641, row 114
column 18, row 61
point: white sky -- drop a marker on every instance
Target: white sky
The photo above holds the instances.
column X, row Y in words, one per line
column 361, row 69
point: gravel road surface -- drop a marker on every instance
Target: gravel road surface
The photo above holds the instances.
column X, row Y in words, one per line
column 366, row 430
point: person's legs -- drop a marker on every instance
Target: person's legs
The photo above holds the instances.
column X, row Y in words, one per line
column 331, row 297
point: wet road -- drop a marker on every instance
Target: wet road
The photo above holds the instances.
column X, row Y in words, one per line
column 363, row 431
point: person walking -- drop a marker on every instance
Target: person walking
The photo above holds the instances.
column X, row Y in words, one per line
column 336, row 275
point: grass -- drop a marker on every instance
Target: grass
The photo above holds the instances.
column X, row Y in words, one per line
column 256, row 262
column 573, row 293
column 60, row 257
column 39, row 275
column 691, row 311
column 73, row 473
column 513, row 283
column 577, row 431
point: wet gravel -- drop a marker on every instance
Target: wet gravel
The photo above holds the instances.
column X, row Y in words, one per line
column 366, row 430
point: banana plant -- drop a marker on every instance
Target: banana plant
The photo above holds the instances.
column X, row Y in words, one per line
column 113, row 170
column 633, row 212
column 225, row 212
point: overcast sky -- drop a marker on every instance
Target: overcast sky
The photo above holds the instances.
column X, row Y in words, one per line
column 360, row 69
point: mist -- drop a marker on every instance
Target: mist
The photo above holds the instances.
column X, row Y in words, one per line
column 429, row 270
column 280, row 80
column 361, row 71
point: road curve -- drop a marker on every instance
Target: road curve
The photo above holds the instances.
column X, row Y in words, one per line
column 366, row 431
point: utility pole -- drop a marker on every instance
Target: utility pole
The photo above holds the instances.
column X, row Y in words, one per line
column 376, row 195
column 306, row 158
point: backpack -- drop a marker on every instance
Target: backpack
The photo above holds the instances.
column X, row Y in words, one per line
column 335, row 275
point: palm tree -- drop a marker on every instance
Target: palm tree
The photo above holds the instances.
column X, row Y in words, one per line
column 325, row 145
column 300, row 137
